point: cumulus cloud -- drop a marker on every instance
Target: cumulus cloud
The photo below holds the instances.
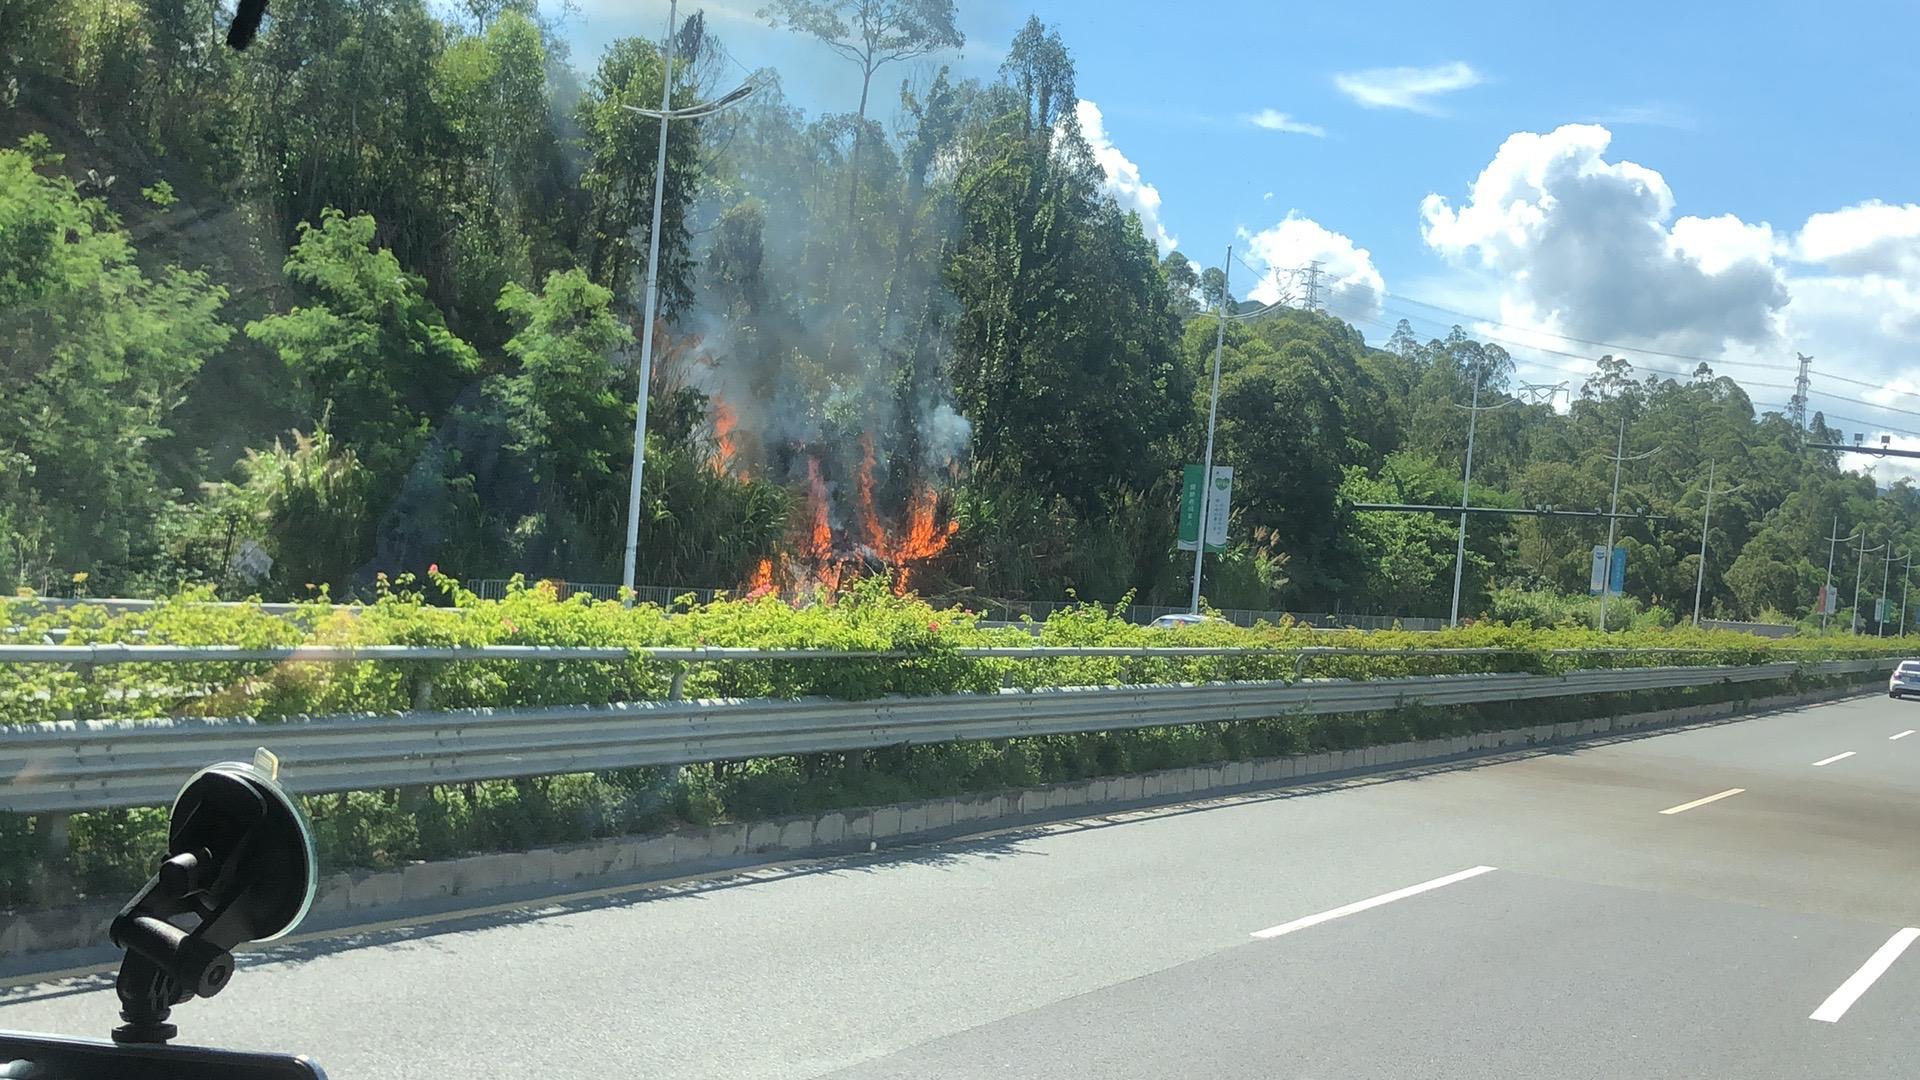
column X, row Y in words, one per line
column 1275, row 120
column 1353, row 287
column 1410, row 88
column 1590, row 244
column 1867, row 255
column 1123, row 176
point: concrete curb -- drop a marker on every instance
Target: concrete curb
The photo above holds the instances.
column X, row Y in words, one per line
column 366, row 896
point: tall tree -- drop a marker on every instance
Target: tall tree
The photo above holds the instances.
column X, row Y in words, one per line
column 871, row 34
column 97, row 353
column 371, row 348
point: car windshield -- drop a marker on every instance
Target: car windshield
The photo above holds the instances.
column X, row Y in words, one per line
column 697, row 494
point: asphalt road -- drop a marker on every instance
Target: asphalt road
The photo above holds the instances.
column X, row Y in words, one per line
column 1604, row 939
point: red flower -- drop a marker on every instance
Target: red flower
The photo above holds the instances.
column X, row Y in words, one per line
column 433, row 568
column 512, row 627
column 934, row 627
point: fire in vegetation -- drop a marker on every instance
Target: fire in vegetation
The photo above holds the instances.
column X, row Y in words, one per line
column 832, row 543
column 726, row 455
column 862, row 505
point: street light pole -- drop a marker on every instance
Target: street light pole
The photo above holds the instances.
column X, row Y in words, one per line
column 1700, row 577
column 1466, row 485
column 1213, row 414
column 630, row 562
column 1613, row 512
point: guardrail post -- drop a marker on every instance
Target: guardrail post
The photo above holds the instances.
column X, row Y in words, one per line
column 675, row 689
column 55, row 833
column 423, row 688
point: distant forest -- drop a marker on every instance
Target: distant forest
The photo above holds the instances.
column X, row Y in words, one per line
column 365, row 298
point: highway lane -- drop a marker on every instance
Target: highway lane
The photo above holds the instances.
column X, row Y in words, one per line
column 1612, row 939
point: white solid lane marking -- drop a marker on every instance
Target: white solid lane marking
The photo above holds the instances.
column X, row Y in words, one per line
column 1686, row 806
column 1902, row 735
column 1837, row 1003
column 1834, row 758
column 1371, row 902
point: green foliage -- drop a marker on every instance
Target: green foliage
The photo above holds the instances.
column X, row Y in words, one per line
column 98, row 352
column 618, row 174
column 311, row 504
column 371, row 348
column 460, row 208
column 112, row 851
column 561, row 405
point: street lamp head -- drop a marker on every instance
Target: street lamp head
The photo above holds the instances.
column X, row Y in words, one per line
column 704, row 109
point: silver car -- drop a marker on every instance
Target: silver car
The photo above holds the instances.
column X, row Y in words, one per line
column 1905, row 680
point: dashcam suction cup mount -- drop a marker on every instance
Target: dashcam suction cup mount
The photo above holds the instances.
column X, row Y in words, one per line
column 240, row 867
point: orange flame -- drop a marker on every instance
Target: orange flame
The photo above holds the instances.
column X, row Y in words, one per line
column 820, row 565
column 822, row 538
column 876, row 536
column 725, row 457
column 762, row 582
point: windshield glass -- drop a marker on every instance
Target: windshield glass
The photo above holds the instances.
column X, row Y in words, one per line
column 598, row 443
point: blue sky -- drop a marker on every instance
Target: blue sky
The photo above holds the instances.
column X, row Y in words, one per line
column 1742, row 188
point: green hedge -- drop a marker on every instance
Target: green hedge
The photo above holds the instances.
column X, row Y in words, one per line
column 867, row 617
column 111, row 852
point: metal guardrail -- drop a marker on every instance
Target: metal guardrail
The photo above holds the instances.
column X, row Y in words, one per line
column 71, row 766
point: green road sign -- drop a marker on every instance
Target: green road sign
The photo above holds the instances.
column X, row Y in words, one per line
column 1218, row 506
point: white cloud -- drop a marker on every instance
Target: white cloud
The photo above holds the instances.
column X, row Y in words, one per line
column 1586, row 243
column 1266, row 196
column 1275, row 120
column 1559, row 241
column 1123, row 176
column 1353, row 286
column 1408, row 88
column 1651, row 114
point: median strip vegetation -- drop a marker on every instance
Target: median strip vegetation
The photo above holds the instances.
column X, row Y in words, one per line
column 108, row 851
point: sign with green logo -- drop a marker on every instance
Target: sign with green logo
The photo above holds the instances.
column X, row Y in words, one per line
column 1219, row 503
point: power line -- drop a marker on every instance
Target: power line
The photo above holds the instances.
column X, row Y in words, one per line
column 1583, row 341
column 1508, row 342
column 1789, row 408
column 1875, row 425
column 1628, row 348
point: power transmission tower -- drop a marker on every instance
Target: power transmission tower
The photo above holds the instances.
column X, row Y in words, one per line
column 1541, row 393
column 1797, row 406
column 1313, row 285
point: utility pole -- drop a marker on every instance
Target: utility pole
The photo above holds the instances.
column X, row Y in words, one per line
column 1906, row 579
column 1466, row 485
column 1833, row 542
column 1858, row 569
column 1700, row 578
column 1797, row 405
column 1880, row 629
column 1619, row 458
column 1213, row 414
